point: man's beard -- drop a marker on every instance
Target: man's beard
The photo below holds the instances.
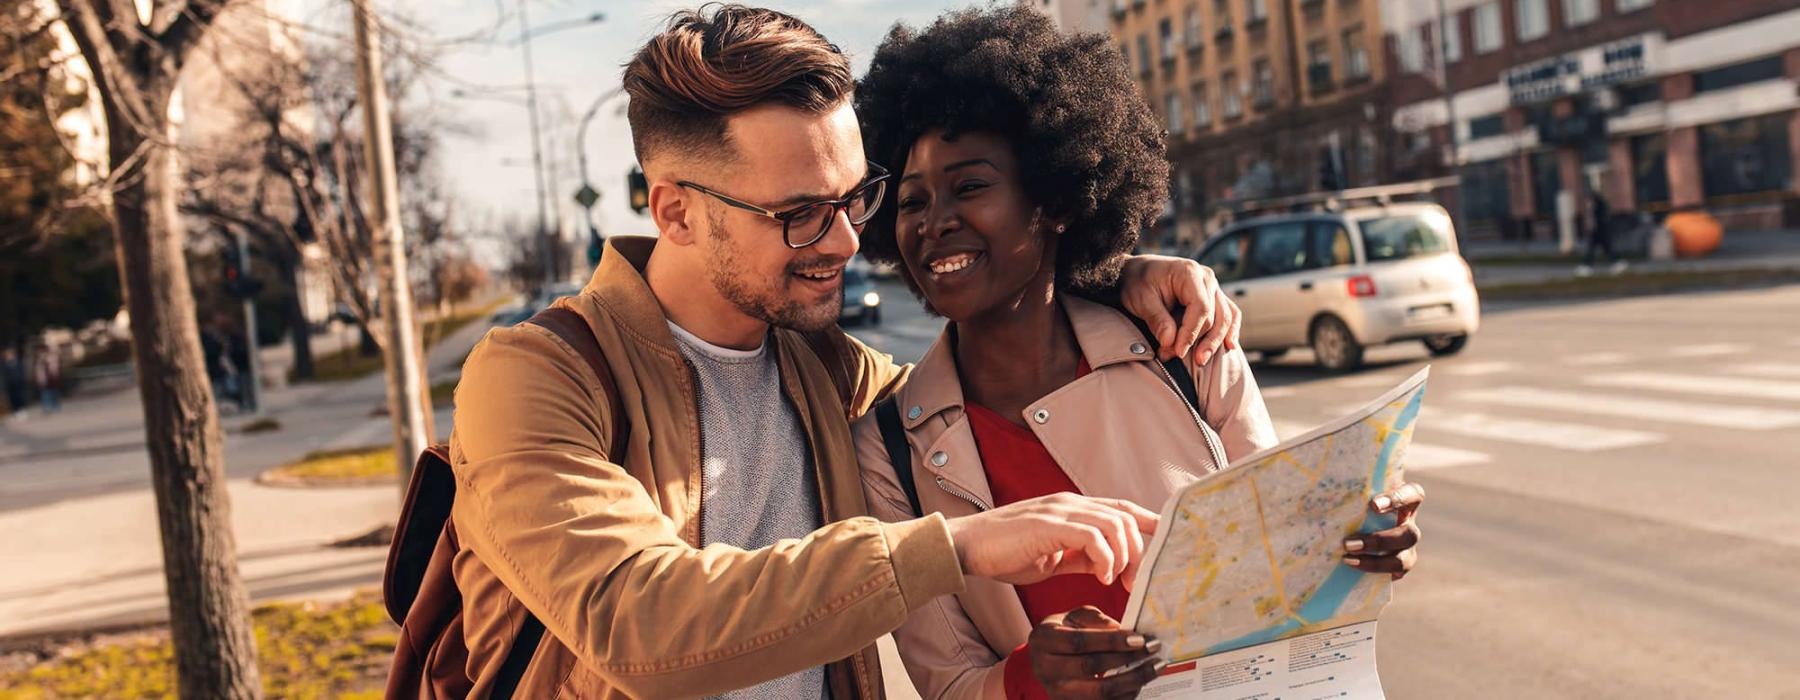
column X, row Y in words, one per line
column 766, row 304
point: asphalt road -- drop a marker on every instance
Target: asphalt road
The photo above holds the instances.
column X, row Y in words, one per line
column 1613, row 490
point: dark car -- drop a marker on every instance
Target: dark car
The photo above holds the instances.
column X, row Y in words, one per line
column 862, row 303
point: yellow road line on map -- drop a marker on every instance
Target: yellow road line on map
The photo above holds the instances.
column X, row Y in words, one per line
column 1269, row 549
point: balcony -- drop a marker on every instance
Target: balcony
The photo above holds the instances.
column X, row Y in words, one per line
column 1318, row 76
column 1223, row 35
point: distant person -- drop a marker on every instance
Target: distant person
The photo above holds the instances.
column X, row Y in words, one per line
column 1600, row 238
column 1027, row 163
column 48, row 374
column 12, row 372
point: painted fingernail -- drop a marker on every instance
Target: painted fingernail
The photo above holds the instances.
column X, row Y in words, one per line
column 1135, row 641
column 1382, row 503
column 1153, row 646
column 1352, row 561
column 1160, row 665
column 1353, row 545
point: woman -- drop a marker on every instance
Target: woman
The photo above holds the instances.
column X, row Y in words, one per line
column 1026, row 162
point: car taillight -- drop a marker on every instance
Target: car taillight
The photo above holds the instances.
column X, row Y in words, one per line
column 1362, row 286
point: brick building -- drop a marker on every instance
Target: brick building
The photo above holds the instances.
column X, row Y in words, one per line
column 1662, row 104
column 1261, row 98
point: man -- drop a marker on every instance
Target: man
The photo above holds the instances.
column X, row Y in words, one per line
column 49, row 376
column 722, row 548
column 1600, row 237
column 12, row 373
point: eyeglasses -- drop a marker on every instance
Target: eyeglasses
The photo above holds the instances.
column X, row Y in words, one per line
column 804, row 225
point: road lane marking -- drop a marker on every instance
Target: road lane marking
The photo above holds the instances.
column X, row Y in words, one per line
column 1708, row 350
column 1695, row 384
column 1479, row 369
column 1426, row 457
column 1562, row 435
column 1597, row 358
column 1688, row 412
column 1774, row 370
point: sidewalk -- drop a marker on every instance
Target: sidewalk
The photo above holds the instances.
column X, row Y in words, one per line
column 1500, row 264
column 82, row 546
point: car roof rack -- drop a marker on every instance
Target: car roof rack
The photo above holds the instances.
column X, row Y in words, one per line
column 1337, row 200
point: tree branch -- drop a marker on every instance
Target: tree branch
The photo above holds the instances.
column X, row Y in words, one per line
column 186, row 28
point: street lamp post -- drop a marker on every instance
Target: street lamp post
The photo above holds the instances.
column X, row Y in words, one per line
column 547, row 220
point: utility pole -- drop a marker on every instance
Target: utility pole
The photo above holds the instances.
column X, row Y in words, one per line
column 1443, row 79
column 537, row 148
column 404, row 378
column 252, row 384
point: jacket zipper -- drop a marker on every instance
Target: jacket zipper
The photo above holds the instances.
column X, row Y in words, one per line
column 1212, row 440
column 693, row 376
column 962, row 493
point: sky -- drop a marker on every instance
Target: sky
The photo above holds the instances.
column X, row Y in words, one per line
column 486, row 159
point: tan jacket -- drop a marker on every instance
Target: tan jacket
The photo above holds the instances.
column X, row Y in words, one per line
column 606, row 554
column 1122, row 431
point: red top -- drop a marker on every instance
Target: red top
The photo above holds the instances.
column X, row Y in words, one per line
column 1018, row 469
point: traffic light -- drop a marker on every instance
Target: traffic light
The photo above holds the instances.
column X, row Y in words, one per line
column 639, row 188
column 237, row 284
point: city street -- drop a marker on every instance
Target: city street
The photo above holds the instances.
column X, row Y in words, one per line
column 1612, row 490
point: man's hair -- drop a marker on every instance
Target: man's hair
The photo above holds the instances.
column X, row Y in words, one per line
column 719, row 60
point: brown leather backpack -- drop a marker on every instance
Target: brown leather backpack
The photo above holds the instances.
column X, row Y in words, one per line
column 419, row 586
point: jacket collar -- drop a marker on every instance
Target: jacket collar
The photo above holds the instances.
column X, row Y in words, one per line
column 619, row 286
column 1106, row 337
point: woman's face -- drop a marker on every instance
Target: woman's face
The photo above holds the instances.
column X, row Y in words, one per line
column 971, row 240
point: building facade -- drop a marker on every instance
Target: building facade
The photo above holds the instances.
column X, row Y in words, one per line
column 1658, row 105
column 1073, row 16
column 1261, row 98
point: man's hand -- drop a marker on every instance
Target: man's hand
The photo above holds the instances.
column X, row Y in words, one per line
column 1153, row 286
column 1085, row 654
column 1395, row 550
column 1062, row 533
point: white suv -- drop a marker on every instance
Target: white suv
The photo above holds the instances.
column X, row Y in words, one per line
column 1343, row 281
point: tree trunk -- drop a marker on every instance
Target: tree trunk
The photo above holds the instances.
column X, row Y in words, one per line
column 209, row 616
column 300, row 330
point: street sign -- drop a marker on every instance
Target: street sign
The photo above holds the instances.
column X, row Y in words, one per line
column 587, row 196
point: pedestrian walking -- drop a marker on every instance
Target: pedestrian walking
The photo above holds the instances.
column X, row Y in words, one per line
column 12, row 373
column 48, row 374
column 1600, row 238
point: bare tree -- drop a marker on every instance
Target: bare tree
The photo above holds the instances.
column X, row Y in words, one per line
column 136, row 68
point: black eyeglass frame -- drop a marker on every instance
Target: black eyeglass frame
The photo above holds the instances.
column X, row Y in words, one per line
column 877, row 178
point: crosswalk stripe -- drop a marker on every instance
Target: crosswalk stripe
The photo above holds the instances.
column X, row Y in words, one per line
column 1479, row 369
column 1696, row 384
column 1425, row 457
column 1767, row 369
column 1597, row 358
column 1690, row 412
column 1708, row 350
column 1560, row 434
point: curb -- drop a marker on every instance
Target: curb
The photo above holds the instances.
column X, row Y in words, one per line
column 272, row 478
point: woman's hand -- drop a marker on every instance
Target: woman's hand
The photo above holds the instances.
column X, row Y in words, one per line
column 1085, row 654
column 1153, row 286
column 1395, row 550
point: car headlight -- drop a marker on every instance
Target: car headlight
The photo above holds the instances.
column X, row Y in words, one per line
column 871, row 299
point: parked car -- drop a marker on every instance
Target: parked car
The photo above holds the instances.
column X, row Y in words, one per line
column 1342, row 281
column 862, row 303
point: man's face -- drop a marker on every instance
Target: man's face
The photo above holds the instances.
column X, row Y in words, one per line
column 786, row 158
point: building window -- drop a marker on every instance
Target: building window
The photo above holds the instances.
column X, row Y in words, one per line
column 1488, row 32
column 1532, row 18
column 1488, row 192
column 1125, row 53
column 1165, row 34
column 1484, row 127
column 1738, row 74
column 1356, row 56
column 1177, row 125
column 1143, row 54
column 1409, row 46
column 1650, row 168
column 1449, row 40
column 1546, row 181
column 1634, row 5
column 1259, row 12
column 1262, row 89
column 1318, row 64
column 1191, row 30
column 1579, row 12
column 1231, row 92
column 1746, row 155
column 1640, row 94
column 1222, row 17
column 1202, row 106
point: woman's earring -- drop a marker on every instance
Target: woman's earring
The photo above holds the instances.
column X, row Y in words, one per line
column 1060, row 228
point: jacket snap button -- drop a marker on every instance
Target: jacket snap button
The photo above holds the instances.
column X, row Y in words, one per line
column 1137, row 348
column 913, row 413
column 1042, row 416
column 939, row 459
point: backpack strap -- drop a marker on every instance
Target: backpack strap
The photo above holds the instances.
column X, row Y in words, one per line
column 574, row 330
column 893, row 435
column 1177, row 367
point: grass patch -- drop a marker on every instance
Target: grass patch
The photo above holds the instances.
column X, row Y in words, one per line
column 260, row 425
column 1640, row 284
column 1525, row 260
column 373, row 464
column 304, row 650
column 350, row 363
